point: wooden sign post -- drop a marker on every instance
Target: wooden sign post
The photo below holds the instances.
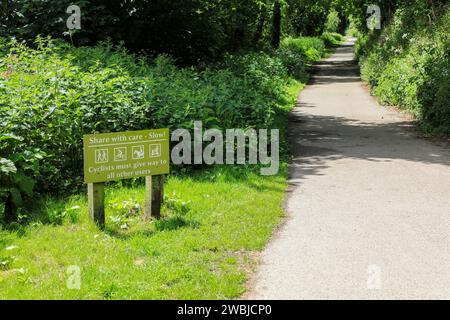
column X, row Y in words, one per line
column 126, row 155
column 154, row 196
column 96, row 203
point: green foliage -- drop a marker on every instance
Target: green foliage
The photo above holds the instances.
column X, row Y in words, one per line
column 3, row 46
column 333, row 21
column 261, row 70
column 295, row 62
column 408, row 64
column 191, row 31
column 305, row 17
column 51, row 95
column 440, row 114
column 16, row 185
column 353, row 27
column 124, row 213
column 332, row 39
column 6, row 262
column 312, row 48
column 179, row 207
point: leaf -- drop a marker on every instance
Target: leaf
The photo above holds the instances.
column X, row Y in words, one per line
column 10, row 136
column 25, row 184
column 16, row 197
column 7, row 166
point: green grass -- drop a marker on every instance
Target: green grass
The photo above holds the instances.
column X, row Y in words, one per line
column 201, row 249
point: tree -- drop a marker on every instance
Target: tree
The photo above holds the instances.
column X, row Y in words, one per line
column 276, row 24
column 306, row 18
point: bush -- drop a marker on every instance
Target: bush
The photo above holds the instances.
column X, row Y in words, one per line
column 332, row 39
column 333, row 21
column 52, row 95
column 312, row 48
column 260, row 69
column 439, row 113
column 3, row 46
column 295, row 63
column 354, row 27
column 408, row 64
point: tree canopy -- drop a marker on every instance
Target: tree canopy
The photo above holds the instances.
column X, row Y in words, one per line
column 191, row 31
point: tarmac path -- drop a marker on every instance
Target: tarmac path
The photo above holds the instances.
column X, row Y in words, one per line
column 368, row 209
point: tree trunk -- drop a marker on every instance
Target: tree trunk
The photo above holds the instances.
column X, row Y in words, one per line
column 259, row 27
column 10, row 210
column 433, row 11
column 5, row 7
column 239, row 36
column 5, row 12
column 276, row 25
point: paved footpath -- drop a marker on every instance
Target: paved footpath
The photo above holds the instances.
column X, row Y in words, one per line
column 368, row 205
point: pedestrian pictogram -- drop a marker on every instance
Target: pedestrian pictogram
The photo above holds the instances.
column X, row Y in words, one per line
column 101, row 156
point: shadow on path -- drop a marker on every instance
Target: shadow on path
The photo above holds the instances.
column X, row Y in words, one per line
column 317, row 139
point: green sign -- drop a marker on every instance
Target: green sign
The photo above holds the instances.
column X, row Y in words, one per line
column 125, row 155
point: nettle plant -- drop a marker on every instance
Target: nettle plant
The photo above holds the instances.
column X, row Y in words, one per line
column 13, row 187
column 16, row 172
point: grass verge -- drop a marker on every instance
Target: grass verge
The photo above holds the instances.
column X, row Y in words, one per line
column 201, row 249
